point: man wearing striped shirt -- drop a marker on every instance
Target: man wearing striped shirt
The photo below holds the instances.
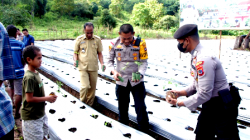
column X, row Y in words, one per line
column 7, row 72
column 17, row 48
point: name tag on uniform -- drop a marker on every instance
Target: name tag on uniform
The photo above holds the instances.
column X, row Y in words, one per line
column 83, row 50
column 82, row 42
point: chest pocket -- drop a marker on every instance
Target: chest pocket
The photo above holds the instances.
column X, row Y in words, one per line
column 83, row 47
column 119, row 54
column 134, row 55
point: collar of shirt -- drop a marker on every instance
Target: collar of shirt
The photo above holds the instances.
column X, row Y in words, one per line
column 131, row 44
column 12, row 38
column 195, row 50
column 85, row 37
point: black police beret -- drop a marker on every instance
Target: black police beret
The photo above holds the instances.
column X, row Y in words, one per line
column 185, row 31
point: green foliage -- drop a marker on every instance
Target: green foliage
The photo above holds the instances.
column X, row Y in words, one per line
column 129, row 4
column 40, row 7
column 105, row 3
column 94, row 7
column 59, row 84
column 63, row 7
column 116, row 7
column 124, row 68
column 166, row 22
column 171, row 7
column 50, row 16
column 82, row 10
column 107, row 20
column 14, row 15
column 145, row 14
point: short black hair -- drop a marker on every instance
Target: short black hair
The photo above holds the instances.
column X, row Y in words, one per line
column 88, row 24
column 25, row 30
column 17, row 29
column 11, row 29
column 31, row 52
column 126, row 28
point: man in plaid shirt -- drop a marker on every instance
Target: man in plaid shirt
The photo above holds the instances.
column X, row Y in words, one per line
column 7, row 72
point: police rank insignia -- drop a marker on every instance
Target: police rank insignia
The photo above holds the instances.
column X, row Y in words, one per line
column 119, row 54
column 135, row 58
column 119, row 58
column 134, row 54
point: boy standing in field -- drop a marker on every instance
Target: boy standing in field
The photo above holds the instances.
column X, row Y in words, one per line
column 34, row 119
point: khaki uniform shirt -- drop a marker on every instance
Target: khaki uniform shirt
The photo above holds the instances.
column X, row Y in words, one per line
column 209, row 78
column 125, row 57
column 87, row 50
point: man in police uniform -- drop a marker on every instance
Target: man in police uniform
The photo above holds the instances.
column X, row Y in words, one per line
column 209, row 88
column 125, row 52
column 87, row 48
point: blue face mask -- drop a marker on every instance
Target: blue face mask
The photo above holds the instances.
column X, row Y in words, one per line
column 180, row 47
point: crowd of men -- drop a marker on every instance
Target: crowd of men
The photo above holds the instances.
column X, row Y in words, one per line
column 217, row 120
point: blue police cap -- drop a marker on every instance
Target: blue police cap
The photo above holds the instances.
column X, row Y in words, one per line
column 185, row 31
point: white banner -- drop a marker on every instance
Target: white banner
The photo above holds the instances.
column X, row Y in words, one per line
column 216, row 14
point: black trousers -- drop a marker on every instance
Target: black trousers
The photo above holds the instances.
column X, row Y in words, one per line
column 214, row 119
column 139, row 94
column 8, row 136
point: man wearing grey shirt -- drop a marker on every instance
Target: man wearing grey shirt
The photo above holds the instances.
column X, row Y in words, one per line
column 208, row 89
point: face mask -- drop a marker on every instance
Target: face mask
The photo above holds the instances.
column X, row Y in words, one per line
column 180, row 47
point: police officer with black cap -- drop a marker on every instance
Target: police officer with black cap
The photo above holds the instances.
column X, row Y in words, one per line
column 210, row 89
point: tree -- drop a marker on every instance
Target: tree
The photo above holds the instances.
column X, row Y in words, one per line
column 129, row 4
column 105, row 3
column 40, row 7
column 116, row 7
column 94, row 7
column 166, row 22
column 14, row 15
column 171, row 7
column 145, row 14
column 107, row 20
column 63, row 7
column 82, row 10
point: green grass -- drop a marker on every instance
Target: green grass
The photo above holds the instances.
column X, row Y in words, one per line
column 64, row 28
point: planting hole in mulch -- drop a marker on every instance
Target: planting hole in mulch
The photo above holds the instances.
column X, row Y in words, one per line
column 51, row 86
column 243, row 108
column 52, row 111
column 57, row 69
column 64, row 95
column 156, row 69
column 157, row 101
column 46, row 83
column 96, row 89
column 53, row 66
column 150, row 112
column 176, row 74
column 185, row 77
column 83, row 107
column 94, row 116
column 167, row 89
column 165, row 72
column 73, row 129
column 184, row 66
column 73, row 77
column 194, row 111
column 155, row 85
column 145, row 81
column 78, row 81
column 106, row 93
column 173, row 106
column 189, row 128
column 167, row 119
column 67, row 74
column 61, row 120
column 107, row 83
column 128, row 135
column 62, row 71
column 148, row 67
column 242, row 126
column 73, row 102
column 108, row 124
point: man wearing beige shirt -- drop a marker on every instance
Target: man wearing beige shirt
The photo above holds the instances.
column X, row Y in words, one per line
column 210, row 89
column 88, row 49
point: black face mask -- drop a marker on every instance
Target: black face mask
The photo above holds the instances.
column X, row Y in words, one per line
column 180, row 47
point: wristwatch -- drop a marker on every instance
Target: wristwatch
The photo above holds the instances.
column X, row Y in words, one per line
column 177, row 105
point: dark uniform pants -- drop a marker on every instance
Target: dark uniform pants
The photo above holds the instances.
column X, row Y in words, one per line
column 216, row 120
column 139, row 94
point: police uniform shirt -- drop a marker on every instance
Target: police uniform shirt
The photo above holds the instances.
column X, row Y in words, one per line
column 125, row 57
column 209, row 78
column 87, row 50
